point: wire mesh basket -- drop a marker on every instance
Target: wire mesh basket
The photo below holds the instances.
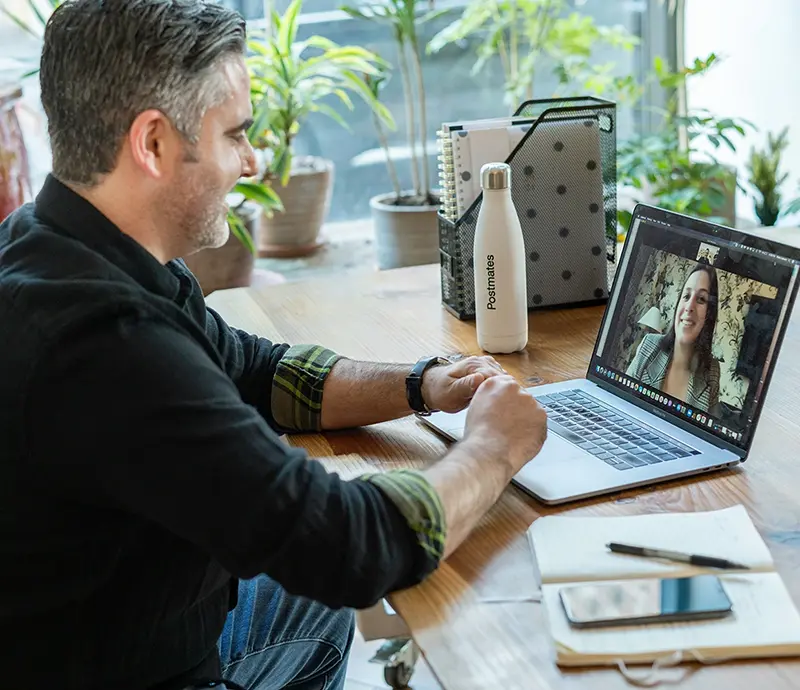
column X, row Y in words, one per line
column 563, row 185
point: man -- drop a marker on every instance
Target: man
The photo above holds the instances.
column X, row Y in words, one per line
column 142, row 473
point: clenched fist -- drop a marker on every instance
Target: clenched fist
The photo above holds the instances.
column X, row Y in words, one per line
column 507, row 419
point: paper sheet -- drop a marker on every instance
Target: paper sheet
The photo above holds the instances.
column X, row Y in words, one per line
column 573, row 549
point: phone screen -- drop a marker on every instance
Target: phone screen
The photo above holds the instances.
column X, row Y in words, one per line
column 645, row 601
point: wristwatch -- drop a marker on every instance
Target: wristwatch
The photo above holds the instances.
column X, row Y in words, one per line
column 414, row 384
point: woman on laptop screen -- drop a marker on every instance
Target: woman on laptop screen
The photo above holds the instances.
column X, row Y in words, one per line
column 680, row 362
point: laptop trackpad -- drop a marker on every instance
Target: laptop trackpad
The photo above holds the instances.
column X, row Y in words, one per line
column 561, row 469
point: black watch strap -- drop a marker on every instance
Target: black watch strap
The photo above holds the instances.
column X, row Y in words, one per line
column 414, row 384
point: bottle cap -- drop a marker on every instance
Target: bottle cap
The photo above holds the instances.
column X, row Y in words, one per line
column 496, row 176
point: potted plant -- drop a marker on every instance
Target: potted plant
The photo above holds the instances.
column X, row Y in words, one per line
column 677, row 167
column 232, row 264
column 406, row 223
column 291, row 79
column 766, row 180
column 528, row 34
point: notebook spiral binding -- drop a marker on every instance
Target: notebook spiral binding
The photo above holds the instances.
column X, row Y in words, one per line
column 447, row 181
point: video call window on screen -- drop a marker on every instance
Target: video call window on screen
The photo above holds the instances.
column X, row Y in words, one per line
column 697, row 323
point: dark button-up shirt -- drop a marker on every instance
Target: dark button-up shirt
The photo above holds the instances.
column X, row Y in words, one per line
column 141, row 468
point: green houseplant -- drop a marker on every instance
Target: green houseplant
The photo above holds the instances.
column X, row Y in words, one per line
column 766, row 180
column 406, row 225
column 526, row 35
column 291, row 79
column 677, row 167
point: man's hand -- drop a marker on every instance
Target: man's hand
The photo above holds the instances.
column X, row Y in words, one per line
column 505, row 429
column 506, row 419
column 450, row 388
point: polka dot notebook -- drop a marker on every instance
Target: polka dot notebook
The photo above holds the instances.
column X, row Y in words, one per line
column 557, row 189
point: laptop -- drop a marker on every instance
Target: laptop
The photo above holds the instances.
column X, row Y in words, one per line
column 681, row 366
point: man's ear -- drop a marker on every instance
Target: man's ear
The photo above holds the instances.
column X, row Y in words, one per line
column 154, row 143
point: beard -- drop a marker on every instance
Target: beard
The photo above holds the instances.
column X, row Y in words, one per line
column 207, row 227
column 195, row 210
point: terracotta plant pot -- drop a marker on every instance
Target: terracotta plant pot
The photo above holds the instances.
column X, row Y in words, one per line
column 306, row 198
column 230, row 265
column 405, row 234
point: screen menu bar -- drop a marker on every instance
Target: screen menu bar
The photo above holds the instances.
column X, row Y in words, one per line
column 656, row 397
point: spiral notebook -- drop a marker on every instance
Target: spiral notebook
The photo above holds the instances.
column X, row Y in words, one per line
column 571, row 550
column 465, row 147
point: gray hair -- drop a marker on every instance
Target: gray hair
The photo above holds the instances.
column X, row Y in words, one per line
column 106, row 61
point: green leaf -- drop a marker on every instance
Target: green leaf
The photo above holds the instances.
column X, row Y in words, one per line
column 433, row 15
column 332, row 62
column 321, row 42
column 792, row 207
column 239, row 231
column 261, row 119
column 354, row 12
column 258, row 46
column 331, row 113
column 728, row 142
column 471, row 21
column 624, row 219
column 35, row 8
column 360, row 88
column 21, row 23
column 287, row 27
column 344, row 97
column 262, row 194
column 281, row 165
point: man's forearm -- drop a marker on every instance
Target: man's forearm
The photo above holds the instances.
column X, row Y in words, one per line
column 469, row 480
column 362, row 393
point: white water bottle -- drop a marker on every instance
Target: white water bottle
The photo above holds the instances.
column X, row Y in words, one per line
column 501, row 291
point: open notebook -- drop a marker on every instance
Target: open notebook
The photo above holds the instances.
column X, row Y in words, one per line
column 572, row 550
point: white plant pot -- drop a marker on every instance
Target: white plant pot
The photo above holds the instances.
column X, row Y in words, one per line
column 404, row 235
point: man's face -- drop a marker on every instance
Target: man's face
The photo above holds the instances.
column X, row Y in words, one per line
column 195, row 200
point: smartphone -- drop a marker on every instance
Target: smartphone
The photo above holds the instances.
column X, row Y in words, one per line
column 636, row 602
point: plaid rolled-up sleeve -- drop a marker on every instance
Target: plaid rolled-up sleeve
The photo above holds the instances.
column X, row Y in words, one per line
column 420, row 505
column 296, row 405
column 296, row 401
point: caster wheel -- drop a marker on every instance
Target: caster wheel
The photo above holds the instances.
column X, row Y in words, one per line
column 397, row 677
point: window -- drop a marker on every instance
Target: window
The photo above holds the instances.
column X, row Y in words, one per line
column 453, row 93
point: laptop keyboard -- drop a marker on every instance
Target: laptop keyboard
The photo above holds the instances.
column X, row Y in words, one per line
column 610, row 435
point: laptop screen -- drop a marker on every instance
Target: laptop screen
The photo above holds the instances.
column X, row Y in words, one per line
column 694, row 322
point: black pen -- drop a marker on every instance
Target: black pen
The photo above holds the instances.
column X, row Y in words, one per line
column 692, row 559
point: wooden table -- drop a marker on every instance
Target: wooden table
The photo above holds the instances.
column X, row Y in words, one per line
column 470, row 618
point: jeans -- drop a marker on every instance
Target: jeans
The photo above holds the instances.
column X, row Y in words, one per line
column 274, row 640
